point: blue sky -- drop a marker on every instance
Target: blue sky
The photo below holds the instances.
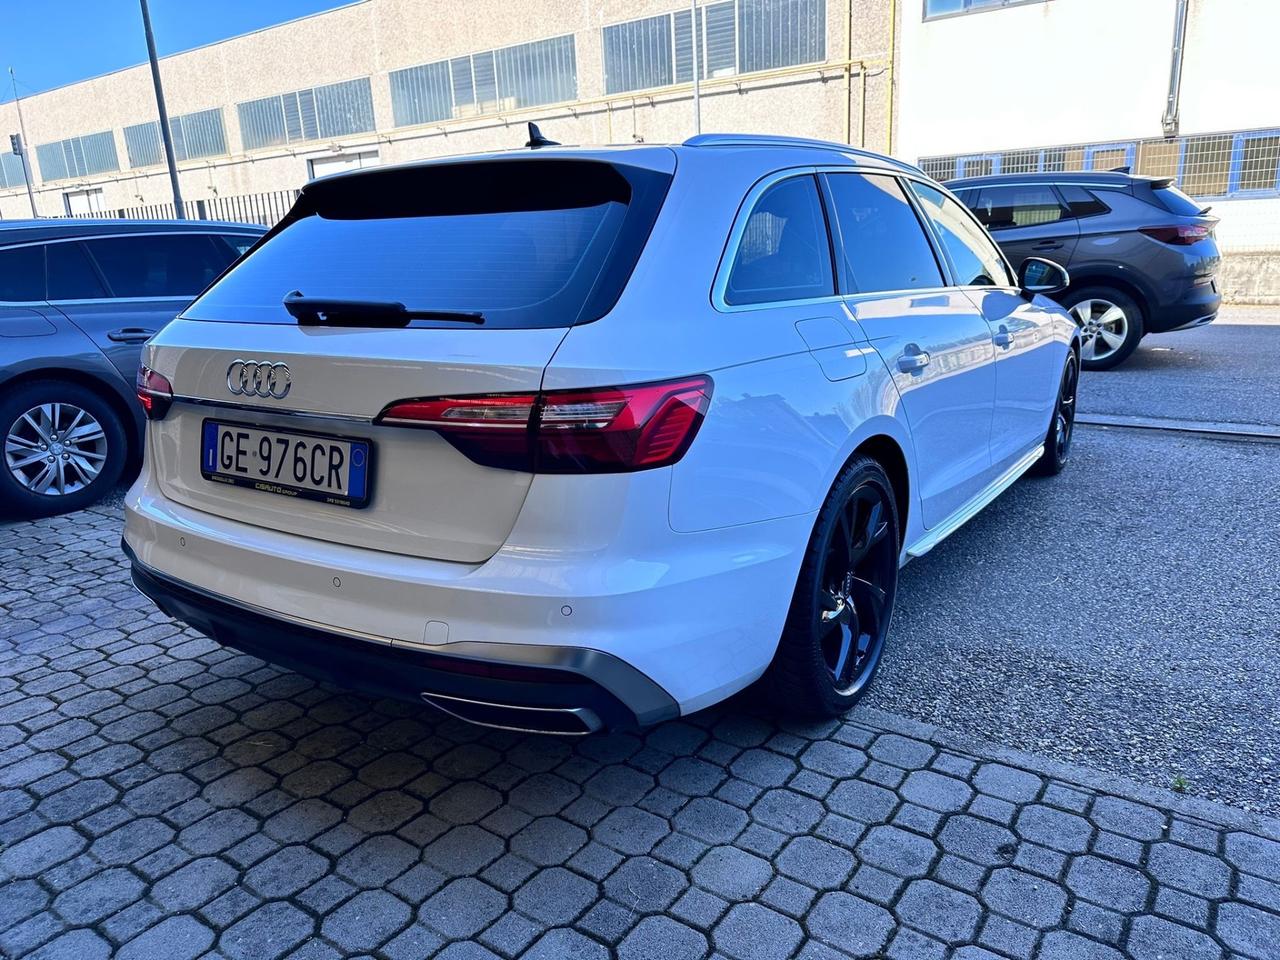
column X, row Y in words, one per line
column 52, row 42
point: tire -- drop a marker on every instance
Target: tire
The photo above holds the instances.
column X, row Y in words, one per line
column 32, row 414
column 1106, row 343
column 1057, row 442
column 803, row 680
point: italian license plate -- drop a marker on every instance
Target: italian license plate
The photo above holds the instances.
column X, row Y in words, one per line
column 311, row 466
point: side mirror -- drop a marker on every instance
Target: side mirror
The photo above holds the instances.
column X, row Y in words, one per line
column 1037, row 275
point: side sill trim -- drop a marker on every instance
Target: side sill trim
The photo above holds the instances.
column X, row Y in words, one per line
column 967, row 512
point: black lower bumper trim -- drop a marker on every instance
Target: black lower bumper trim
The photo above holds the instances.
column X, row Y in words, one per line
column 388, row 671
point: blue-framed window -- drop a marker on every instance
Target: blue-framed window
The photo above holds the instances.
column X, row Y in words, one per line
column 1110, row 156
column 1255, row 164
column 935, row 9
column 1244, row 164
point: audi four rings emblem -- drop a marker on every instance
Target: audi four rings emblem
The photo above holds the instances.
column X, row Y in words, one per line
column 257, row 378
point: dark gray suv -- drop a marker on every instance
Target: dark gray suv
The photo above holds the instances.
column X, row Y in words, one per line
column 78, row 298
column 1141, row 253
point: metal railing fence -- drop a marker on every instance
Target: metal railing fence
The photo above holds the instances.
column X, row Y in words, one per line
column 266, row 209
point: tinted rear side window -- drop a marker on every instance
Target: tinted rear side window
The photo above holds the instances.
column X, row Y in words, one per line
column 784, row 253
column 159, row 265
column 1083, row 203
column 1030, row 205
column 526, row 243
column 884, row 245
column 71, row 275
column 22, row 274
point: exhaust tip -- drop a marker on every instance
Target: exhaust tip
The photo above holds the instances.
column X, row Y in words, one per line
column 558, row 721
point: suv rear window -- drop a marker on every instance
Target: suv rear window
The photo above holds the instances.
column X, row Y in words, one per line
column 526, row 243
column 1175, row 201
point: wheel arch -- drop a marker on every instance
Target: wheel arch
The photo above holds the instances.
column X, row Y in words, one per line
column 130, row 419
column 886, row 451
column 1125, row 285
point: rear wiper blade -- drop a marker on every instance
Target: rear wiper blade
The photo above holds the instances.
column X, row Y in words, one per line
column 330, row 312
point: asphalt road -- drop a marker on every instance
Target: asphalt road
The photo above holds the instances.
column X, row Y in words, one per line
column 1228, row 372
column 1125, row 615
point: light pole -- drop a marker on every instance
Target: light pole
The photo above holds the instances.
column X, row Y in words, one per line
column 20, row 144
column 693, row 43
column 165, row 135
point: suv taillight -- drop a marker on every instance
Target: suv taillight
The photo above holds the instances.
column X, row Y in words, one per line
column 1179, row 235
column 600, row 430
column 155, row 393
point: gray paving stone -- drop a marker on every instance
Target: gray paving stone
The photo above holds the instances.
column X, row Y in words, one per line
column 732, row 873
column 1249, row 931
column 646, row 885
column 1064, row 945
column 1007, row 783
column 850, row 923
column 939, row 911
column 1254, row 854
column 897, row 851
column 816, row 862
column 74, row 945
column 1108, row 884
column 978, row 840
column 1029, row 899
column 555, row 896
column 463, row 908
column 1054, row 828
column 937, row 792
column 268, row 932
column 1154, row 938
column 750, row 931
column 174, row 938
column 1189, row 870
column 658, row 938
column 1128, row 818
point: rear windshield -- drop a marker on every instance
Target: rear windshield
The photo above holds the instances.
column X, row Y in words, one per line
column 525, row 243
column 1175, row 201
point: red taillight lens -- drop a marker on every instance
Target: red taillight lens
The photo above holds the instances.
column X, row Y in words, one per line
column 1179, row 235
column 155, row 393
column 601, row 430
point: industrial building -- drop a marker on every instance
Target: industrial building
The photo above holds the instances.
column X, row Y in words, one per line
column 1180, row 88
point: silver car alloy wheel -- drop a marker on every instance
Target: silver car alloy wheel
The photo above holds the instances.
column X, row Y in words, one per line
column 55, row 449
column 1103, row 328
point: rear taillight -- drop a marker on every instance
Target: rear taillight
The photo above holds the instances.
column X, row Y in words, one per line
column 155, row 393
column 601, row 430
column 1179, row 235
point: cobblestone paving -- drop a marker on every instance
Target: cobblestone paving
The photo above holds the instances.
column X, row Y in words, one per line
column 163, row 797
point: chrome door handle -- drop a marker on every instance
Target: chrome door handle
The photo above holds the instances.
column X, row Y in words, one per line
column 1003, row 339
column 913, row 359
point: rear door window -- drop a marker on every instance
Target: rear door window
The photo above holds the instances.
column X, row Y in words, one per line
column 973, row 255
column 22, row 274
column 883, row 245
column 71, row 275
column 158, row 265
column 1027, row 205
column 784, row 252
column 525, row 243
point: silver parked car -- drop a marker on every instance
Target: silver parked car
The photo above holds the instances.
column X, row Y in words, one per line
column 78, row 298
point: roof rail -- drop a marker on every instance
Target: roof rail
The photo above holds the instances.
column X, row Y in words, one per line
column 769, row 140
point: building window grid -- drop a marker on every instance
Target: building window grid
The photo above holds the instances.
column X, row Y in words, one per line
column 78, row 156
column 11, row 174
column 195, row 135
column 734, row 37
column 1207, row 166
column 507, row 78
column 313, row 113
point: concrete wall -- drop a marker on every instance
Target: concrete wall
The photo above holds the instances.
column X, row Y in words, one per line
column 373, row 37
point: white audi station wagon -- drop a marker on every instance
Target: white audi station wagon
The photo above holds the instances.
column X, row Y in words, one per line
column 565, row 439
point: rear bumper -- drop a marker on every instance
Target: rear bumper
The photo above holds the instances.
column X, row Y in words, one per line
column 662, row 623
column 545, row 689
column 1199, row 306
